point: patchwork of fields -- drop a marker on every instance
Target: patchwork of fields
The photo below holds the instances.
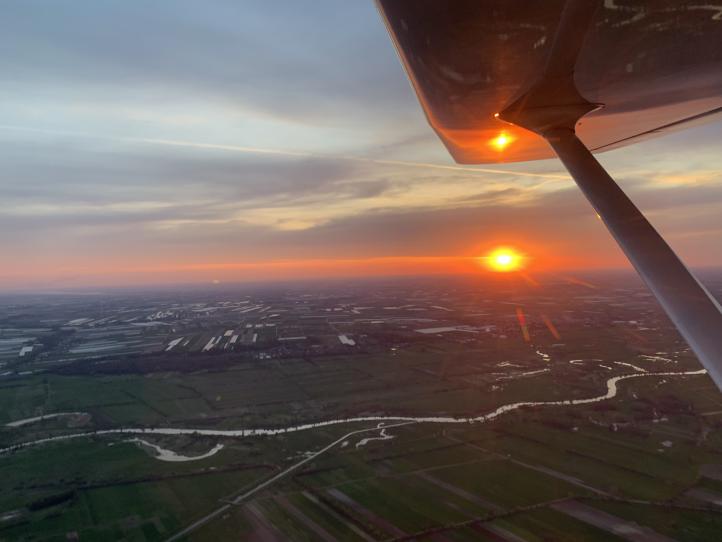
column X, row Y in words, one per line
column 429, row 481
column 644, row 464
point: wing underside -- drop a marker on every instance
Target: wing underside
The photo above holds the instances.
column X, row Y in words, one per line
column 653, row 65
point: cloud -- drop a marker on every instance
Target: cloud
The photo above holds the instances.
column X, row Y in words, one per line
column 242, row 54
column 228, row 132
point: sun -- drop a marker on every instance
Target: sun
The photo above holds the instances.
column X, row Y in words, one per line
column 504, row 259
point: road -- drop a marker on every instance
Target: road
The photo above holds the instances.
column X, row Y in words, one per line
column 244, row 496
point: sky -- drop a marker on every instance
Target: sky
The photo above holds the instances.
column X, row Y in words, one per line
column 180, row 141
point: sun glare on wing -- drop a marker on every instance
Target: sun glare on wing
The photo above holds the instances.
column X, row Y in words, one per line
column 504, row 259
column 501, row 141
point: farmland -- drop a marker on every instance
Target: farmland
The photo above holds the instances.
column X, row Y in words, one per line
column 646, row 458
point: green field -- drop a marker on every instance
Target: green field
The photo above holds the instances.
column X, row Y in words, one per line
column 461, row 481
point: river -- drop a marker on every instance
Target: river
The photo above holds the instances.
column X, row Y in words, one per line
column 612, row 390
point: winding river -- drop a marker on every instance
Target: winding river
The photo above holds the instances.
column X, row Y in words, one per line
column 612, row 390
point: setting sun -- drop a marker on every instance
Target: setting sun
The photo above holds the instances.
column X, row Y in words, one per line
column 504, row 259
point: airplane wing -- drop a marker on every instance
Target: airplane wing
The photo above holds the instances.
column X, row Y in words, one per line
column 655, row 65
column 513, row 80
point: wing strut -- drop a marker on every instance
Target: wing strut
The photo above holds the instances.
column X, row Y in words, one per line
column 551, row 108
column 689, row 305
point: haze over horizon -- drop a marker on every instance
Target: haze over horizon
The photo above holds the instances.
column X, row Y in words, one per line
column 226, row 143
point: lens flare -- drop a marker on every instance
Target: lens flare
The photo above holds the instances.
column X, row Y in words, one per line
column 504, row 259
